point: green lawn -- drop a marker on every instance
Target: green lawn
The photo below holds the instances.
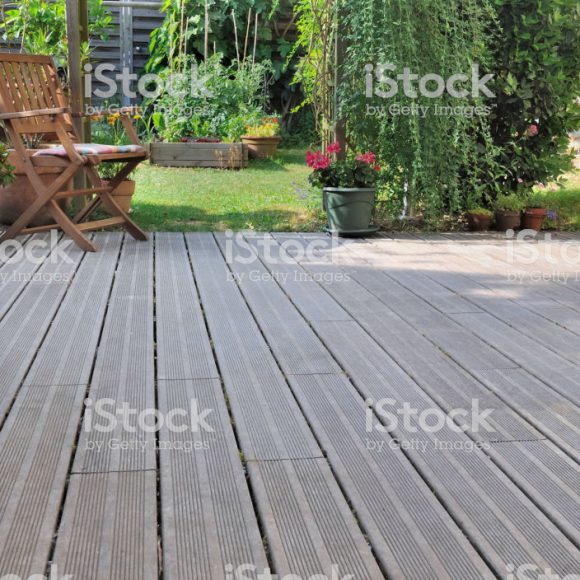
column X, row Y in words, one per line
column 565, row 202
column 270, row 195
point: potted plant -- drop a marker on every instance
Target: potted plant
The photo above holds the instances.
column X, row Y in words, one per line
column 535, row 212
column 349, row 189
column 16, row 191
column 123, row 193
column 479, row 219
column 263, row 138
column 108, row 130
column 508, row 212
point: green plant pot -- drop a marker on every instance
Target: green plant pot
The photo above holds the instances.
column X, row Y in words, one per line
column 349, row 210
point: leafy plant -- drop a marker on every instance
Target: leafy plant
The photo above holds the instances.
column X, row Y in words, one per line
column 360, row 171
column 108, row 130
column 231, row 97
column 537, row 85
column 509, row 203
column 536, row 200
column 480, row 211
column 267, row 127
column 39, row 27
column 6, row 170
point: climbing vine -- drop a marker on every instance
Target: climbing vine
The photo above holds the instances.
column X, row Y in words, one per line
column 317, row 70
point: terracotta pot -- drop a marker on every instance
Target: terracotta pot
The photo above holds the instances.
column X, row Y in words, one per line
column 19, row 195
column 478, row 222
column 261, row 147
column 533, row 219
column 123, row 195
column 507, row 220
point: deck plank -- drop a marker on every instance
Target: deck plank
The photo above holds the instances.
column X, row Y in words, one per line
column 208, row 520
column 124, row 372
column 113, row 487
column 17, row 270
column 23, row 327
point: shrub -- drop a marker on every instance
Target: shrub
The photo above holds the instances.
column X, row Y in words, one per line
column 537, row 84
column 39, row 27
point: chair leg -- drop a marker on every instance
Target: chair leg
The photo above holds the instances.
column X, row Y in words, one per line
column 44, row 197
column 67, row 226
column 110, row 204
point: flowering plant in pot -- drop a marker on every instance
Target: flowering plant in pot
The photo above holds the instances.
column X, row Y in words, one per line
column 263, row 138
column 109, row 130
column 508, row 211
column 479, row 219
column 535, row 212
column 349, row 189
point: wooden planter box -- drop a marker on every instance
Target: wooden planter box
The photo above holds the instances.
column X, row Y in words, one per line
column 219, row 155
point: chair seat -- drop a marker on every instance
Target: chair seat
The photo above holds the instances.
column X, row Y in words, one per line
column 92, row 149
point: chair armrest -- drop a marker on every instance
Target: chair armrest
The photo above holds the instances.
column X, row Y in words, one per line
column 34, row 113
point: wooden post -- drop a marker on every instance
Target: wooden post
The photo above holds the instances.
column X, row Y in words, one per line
column 76, row 85
column 77, row 17
column 340, row 48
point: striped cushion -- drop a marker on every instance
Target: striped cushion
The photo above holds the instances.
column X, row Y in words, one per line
column 92, row 149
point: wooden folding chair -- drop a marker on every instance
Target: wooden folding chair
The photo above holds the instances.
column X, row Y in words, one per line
column 32, row 103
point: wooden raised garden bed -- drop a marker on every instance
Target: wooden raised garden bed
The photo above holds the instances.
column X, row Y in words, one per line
column 219, row 155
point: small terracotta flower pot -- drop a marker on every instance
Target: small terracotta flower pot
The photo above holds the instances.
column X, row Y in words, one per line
column 477, row 222
column 261, row 147
column 123, row 195
column 507, row 220
column 533, row 219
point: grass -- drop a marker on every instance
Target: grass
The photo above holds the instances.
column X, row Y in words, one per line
column 270, row 195
column 565, row 201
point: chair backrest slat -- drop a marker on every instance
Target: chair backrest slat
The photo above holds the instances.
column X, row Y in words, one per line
column 27, row 83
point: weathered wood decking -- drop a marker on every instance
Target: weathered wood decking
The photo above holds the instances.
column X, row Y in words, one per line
column 282, row 355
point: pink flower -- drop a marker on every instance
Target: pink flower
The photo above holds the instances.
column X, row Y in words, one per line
column 532, row 130
column 334, row 148
column 317, row 160
column 368, row 158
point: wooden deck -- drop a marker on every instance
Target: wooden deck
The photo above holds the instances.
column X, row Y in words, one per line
column 271, row 369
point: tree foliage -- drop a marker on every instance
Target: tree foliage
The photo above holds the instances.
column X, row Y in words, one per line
column 39, row 27
column 537, row 84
